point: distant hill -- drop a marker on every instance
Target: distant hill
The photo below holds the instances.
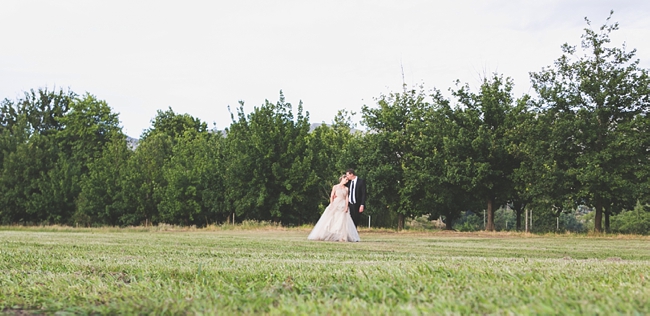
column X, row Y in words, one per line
column 132, row 142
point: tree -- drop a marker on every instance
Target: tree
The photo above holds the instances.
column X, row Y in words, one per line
column 267, row 173
column 48, row 140
column 104, row 189
column 329, row 150
column 85, row 131
column 86, row 128
column 541, row 180
column 389, row 145
column 24, row 172
column 635, row 221
column 31, row 158
column 193, row 194
column 42, row 109
column 601, row 93
column 174, row 125
column 481, row 161
column 434, row 169
column 146, row 182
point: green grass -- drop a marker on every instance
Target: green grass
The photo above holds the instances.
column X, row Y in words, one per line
column 277, row 271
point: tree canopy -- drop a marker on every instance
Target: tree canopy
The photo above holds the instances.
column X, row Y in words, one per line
column 580, row 141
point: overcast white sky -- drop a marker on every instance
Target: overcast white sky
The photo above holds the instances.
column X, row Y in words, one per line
column 198, row 57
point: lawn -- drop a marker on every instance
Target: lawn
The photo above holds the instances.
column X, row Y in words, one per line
column 277, row 271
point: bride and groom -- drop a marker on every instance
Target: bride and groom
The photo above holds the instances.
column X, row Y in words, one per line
column 347, row 202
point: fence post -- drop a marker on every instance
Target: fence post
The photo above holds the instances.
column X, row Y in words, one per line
column 526, row 219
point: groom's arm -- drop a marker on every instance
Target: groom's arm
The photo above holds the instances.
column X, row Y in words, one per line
column 362, row 197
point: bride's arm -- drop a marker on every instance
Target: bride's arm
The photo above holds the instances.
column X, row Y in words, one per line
column 333, row 194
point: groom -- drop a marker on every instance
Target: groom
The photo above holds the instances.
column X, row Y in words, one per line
column 356, row 195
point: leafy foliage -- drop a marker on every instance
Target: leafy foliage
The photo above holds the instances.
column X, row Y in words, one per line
column 581, row 143
column 597, row 97
column 635, row 221
column 191, row 196
column 269, row 165
column 389, row 148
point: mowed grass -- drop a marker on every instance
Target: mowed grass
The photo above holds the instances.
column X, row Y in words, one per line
column 277, row 271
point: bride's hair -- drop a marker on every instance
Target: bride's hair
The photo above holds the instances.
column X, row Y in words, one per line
column 341, row 178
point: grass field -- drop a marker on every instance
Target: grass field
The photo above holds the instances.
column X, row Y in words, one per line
column 277, row 271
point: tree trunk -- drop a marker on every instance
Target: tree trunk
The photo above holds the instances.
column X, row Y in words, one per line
column 400, row 222
column 490, row 215
column 598, row 220
column 448, row 224
column 519, row 208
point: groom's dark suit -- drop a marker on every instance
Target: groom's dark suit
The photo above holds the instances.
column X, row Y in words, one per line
column 359, row 199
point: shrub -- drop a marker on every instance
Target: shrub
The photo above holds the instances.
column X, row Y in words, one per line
column 636, row 221
column 469, row 222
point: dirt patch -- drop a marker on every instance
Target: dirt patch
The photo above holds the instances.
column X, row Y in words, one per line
column 20, row 311
column 614, row 259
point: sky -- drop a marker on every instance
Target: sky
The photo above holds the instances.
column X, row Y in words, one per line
column 200, row 57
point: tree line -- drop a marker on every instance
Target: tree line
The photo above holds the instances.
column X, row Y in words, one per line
column 581, row 140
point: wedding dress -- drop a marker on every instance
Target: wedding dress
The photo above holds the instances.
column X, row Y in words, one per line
column 336, row 224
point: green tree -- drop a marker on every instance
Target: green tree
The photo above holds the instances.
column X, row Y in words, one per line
column 103, row 198
column 394, row 127
column 145, row 179
column 174, row 125
column 49, row 139
column 86, row 129
column 481, row 160
column 435, row 163
column 24, row 172
column 328, row 148
column 601, row 93
column 541, row 181
column 635, row 221
column 267, row 173
column 146, row 183
column 32, row 159
column 42, row 109
column 193, row 194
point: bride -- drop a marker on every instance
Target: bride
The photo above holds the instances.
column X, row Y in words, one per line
column 336, row 224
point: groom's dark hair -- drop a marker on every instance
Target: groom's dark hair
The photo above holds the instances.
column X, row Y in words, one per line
column 351, row 171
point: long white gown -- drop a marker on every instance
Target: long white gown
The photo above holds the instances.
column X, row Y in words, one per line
column 336, row 224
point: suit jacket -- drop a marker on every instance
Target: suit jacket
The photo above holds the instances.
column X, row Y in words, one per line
column 359, row 191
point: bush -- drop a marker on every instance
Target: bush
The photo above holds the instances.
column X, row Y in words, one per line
column 469, row 222
column 636, row 221
column 570, row 222
column 505, row 219
column 422, row 223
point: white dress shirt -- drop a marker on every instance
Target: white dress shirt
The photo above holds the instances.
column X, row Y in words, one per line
column 353, row 188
